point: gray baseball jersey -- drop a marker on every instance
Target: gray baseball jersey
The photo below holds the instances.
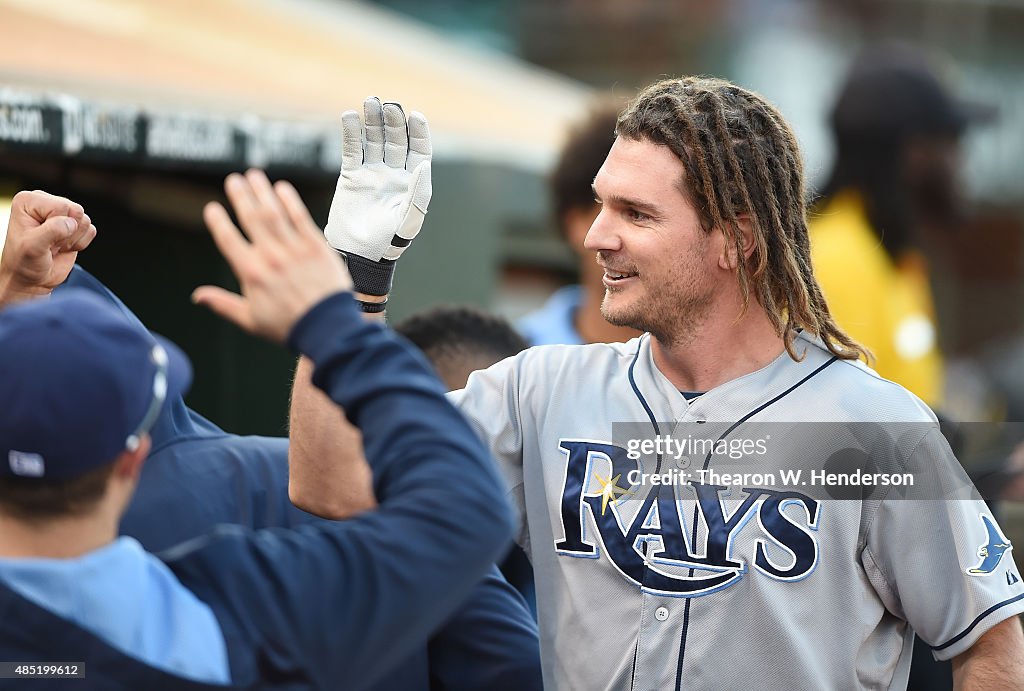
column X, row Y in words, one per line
column 727, row 581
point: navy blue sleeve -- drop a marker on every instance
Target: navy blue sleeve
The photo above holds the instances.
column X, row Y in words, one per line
column 491, row 643
column 332, row 601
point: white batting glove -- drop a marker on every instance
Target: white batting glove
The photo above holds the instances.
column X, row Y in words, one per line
column 382, row 192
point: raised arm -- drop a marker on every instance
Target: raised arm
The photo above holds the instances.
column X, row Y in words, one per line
column 343, row 598
column 327, row 472
column 378, row 208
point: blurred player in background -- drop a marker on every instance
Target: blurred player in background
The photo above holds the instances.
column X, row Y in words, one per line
column 459, row 341
column 573, row 314
column 894, row 185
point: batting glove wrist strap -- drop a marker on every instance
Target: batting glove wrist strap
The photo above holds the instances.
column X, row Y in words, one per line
column 370, row 277
column 382, row 193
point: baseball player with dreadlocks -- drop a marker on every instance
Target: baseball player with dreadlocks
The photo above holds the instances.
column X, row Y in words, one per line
column 709, row 584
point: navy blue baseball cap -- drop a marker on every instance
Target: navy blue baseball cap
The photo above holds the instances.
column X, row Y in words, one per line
column 80, row 383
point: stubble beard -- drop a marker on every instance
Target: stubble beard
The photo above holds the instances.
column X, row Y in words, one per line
column 672, row 308
column 674, row 317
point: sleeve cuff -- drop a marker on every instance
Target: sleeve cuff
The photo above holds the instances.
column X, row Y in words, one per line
column 982, row 623
column 336, row 312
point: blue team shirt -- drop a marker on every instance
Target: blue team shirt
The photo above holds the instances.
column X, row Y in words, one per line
column 553, row 324
column 131, row 600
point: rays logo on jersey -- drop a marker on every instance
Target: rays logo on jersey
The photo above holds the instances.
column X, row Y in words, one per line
column 655, row 549
column 992, row 551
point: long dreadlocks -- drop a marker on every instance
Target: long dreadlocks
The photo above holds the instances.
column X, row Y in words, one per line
column 741, row 159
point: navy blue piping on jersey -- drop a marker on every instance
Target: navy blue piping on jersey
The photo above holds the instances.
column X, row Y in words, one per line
column 707, row 462
column 657, row 431
column 977, row 621
column 643, row 401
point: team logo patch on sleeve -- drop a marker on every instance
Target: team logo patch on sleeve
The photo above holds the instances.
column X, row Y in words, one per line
column 990, row 553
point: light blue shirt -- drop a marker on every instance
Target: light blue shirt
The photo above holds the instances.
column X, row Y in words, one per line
column 554, row 323
column 131, row 600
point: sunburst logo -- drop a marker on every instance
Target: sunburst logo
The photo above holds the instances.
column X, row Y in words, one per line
column 610, row 490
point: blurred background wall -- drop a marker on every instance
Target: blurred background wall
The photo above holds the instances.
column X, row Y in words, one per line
column 138, row 109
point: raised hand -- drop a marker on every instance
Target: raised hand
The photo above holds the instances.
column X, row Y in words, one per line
column 382, row 193
column 283, row 269
column 44, row 236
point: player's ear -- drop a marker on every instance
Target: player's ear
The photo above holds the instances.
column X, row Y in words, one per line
column 740, row 240
column 129, row 463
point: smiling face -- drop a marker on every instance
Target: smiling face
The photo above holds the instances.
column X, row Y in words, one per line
column 662, row 270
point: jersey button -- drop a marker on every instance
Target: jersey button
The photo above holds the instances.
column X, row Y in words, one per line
column 683, row 462
column 661, row 614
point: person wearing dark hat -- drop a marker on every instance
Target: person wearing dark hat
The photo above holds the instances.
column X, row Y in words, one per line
column 300, row 608
column 897, row 131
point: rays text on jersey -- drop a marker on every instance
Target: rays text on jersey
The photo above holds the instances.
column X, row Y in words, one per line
column 656, row 542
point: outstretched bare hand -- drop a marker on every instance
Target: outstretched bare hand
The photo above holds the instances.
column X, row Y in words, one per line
column 284, row 268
